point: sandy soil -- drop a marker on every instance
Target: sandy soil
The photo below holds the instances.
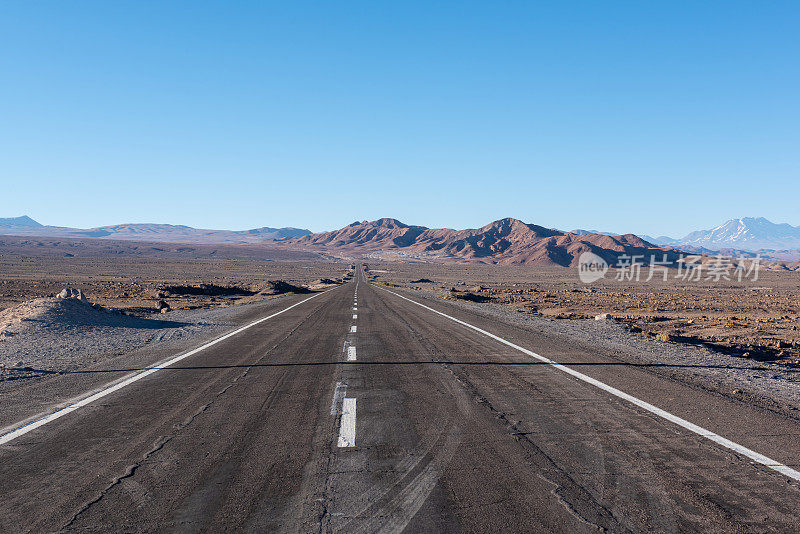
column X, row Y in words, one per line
column 51, row 335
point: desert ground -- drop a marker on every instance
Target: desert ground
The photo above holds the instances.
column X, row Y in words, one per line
column 134, row 278
column 135, row 296
column 756, row 319
column 749, row 319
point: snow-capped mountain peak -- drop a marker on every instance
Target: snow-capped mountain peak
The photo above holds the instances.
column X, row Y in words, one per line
column 746, row 233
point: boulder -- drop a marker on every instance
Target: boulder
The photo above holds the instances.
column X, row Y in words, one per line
column 71, row 293
column 603, row 317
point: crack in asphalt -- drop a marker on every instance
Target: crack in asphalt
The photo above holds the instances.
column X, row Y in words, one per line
column 549, row 471
column 163, row 440
column 131, row 469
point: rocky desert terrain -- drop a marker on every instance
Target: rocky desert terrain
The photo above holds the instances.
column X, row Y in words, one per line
column 135, row 277
column 757, row 320
column 752, row 319
column 70, row 305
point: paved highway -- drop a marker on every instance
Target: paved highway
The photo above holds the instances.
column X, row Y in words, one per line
column 360, row 410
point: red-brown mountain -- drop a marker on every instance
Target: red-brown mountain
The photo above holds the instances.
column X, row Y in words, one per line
column 507, row 241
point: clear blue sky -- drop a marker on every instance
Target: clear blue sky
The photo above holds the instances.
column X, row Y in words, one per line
column 650, row 117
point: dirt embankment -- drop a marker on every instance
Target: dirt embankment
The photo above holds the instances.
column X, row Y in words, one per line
column 57, row 335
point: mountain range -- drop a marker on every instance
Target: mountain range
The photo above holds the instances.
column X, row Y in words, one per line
column 25, row 226
column 746, row 234
column 506, row 241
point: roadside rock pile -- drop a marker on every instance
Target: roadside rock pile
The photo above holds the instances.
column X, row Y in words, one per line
column 277, row 287
column 71, row 293
column 322, row 283
column 212, row 290
column 57, row 313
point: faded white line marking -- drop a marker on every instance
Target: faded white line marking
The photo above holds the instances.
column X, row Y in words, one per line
column 5, row 438
column 338, row 395
column 347, row 428
column 351, row 353
column 353, row 329
column 716, row 438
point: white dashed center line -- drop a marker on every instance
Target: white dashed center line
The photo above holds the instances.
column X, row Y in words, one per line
column 338, row 395
column 347, row 429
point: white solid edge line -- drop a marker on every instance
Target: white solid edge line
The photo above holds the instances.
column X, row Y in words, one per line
column 347, row 427
column 716, row 438
column 14, row 434
column 351, row 354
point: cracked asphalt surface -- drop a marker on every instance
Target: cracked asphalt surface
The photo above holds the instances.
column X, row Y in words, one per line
column 455, row 433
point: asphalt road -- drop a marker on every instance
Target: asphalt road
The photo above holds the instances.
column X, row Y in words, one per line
column 408, row 422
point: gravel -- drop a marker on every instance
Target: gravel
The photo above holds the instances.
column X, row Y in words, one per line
column 48, row 336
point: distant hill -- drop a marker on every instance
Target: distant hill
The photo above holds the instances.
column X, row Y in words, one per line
column 25, row 226
column 747, row 233
column 506, row 241
column 21, row 222
column 660, row 240
column 580, row 231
